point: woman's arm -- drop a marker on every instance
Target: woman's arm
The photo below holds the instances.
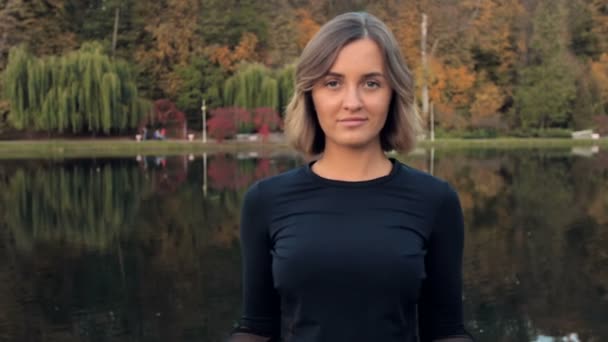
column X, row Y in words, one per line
column 260, row 320
column 440, row 315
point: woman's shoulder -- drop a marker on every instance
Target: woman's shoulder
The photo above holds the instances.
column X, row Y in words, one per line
column 268, row 185
column 416, row 179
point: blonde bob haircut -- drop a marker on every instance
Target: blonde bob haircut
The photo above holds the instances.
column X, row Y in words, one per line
column 302, row 127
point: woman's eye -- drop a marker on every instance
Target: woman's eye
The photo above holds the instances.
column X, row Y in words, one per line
column 332, row 84
column 372, row 84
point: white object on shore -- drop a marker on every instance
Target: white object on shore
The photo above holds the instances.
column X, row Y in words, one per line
column 138, row 137
column 585, row 134
column 190, row 137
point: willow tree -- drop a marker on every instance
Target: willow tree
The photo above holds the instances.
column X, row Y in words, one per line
column 82, row 91
column 252, row 86
column 286, row 83
column 88, row 203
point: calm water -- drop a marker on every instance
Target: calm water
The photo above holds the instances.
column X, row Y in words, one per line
column 146, row 249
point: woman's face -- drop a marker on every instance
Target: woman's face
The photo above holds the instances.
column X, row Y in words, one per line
column 352, row 100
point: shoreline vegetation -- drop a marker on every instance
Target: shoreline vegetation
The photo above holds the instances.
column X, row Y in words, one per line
column 482, row 69
column 126, row 147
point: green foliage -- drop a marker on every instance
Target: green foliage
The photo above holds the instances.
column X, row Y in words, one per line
column 82, row 91
column 286, row 83
column 583, row 104
column 534, row 55
column 199, row 80
column 94, row 20
column 250, row 87
column 546, row 89
column 545, row 94
column 224, row 21
column 484, row 133
column 584, row 42
column 84, row 205
column 255, row 86
column 541, row 133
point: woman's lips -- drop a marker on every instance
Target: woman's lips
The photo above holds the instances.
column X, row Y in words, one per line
column 352, row 122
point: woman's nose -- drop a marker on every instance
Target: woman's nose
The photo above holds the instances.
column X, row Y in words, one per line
column 352, row 99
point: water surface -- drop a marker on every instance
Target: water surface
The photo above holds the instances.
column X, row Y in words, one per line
column 146, row 248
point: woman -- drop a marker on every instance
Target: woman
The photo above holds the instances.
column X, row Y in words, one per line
column 353, row 246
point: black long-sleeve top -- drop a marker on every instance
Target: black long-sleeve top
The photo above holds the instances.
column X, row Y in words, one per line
column 327, row 260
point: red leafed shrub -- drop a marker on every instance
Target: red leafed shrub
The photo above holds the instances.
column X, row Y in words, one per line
column 224, row 174
column 166, row 114
column 165, row 110
column 241, row 115
column 225, row 121
column 266, row 119
column 222, row 124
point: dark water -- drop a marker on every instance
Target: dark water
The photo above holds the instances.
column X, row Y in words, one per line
column 146, row 249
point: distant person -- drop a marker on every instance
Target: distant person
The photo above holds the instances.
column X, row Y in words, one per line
column 163, row 133
column 353, row 246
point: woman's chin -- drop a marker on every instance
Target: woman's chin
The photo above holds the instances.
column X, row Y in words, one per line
column 356, row 143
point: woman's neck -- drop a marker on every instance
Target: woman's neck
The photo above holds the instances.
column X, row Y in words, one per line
column 348, row 164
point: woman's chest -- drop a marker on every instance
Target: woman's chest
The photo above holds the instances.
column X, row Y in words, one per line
column 379, row 248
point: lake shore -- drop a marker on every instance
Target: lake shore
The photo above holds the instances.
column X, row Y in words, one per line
column 126, row 147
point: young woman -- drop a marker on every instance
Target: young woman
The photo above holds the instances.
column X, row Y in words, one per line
column 354, row 246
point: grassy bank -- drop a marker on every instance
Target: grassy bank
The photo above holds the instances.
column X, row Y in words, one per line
column 98, row 148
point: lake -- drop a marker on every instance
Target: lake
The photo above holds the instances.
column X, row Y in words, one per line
column 145, row 248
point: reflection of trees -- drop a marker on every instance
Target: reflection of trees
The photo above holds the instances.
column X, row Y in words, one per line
column 174, row 276
column 85, row 203
column 229, row 178
column 167, row 174
column 533, row 260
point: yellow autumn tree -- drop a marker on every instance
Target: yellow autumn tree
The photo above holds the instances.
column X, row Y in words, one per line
column 307, row 27
column 229, row 58
column 599, row 72
column 450, row 90
column 485, row 108
column 405, row 23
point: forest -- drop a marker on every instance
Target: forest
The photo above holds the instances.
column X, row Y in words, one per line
column 96, row 67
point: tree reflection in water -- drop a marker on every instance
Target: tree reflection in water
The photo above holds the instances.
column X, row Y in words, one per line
column 119, row 249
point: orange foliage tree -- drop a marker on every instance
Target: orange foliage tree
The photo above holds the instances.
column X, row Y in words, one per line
column 307, row 27
column 229, row 58
column 486, row 106
column 175, row 39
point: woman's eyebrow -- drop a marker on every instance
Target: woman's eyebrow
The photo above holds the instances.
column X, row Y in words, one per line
column 334, row 74
column 373, row 74
column 370, row 74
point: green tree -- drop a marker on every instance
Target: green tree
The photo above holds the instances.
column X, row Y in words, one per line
column 40, row 24
column 223, row 22
column 82, row 91
column 94, row 20
column 286, row 82
column 252, row 86
column 201, row 79
column 546, row 89
column 584, row 41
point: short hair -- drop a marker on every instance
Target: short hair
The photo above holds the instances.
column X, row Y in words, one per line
column 302, row 127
